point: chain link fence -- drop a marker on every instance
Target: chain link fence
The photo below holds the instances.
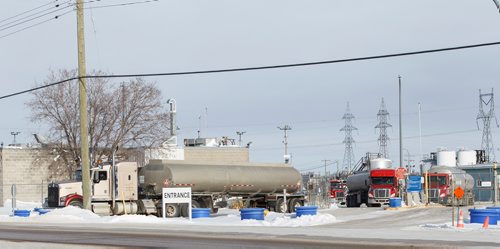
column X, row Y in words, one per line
column 35, row 192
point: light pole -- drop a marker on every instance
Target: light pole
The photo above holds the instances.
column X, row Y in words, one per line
column 15, row 133
column 240, row 133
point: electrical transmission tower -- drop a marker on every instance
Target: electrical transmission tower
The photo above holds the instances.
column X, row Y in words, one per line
column 348, row 140
column 382, row 125
column 486, row 114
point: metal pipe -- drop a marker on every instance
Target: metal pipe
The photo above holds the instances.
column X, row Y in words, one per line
column 113, row 181
column 400, row 127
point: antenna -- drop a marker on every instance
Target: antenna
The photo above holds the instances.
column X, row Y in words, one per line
column 486, row 114
column 382, row 125
column 15, row 133
column 348, row 140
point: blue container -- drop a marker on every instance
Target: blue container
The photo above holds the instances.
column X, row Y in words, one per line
column 200, row 213
column 42, row 211
column 479, row 215
column 394, row 202
column 308, row 210
column 22, row 213
column 252, row 213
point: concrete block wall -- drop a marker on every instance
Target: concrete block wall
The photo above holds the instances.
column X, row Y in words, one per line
column 216, row 154
column 28, row 169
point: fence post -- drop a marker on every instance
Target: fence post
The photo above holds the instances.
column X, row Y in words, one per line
column 13, row 193
column 41, row 190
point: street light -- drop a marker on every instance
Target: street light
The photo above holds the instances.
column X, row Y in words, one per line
column 15, row 133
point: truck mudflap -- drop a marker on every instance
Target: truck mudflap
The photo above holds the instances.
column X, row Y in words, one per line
column 146, row 206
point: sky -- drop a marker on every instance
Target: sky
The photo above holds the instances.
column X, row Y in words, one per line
column 174, row 36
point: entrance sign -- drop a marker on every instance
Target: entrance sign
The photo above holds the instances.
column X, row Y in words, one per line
column 176, row 195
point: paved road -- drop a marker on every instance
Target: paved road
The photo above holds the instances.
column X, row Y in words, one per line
column 358, row 228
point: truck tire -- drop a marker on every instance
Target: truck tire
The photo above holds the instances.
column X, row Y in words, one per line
column 280, row 206
column 185, row 208
column 172, row 210
column 294, row 203
column 76, row 203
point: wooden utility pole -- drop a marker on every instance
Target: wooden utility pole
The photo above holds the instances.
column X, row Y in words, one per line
column 84, row 138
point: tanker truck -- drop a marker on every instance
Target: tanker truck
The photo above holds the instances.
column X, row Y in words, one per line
column 374, row 185
column 442, row 181
column 123, row 188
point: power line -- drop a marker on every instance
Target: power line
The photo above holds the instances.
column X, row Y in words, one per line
column 31, row 26
column 120, row 4
column 262, row 67
column 36, row 15
column 28, row 11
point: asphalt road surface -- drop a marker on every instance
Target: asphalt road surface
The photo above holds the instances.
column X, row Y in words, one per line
column 357, row 228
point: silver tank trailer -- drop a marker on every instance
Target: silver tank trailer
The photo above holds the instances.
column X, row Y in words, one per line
column 461, row 178
column 241, row 178
column 358, row 181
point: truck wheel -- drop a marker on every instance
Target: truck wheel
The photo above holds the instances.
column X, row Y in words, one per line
column 172, row 210
column 185, row 208
column 76, row 203
column 294, row 203
column 280, row 206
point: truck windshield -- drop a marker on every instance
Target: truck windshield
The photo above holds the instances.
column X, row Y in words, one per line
column 335, row 185
column 78, row 175
column 438, row 180
column 382, row 180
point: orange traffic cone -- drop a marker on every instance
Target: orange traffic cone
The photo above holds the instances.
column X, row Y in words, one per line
column 486, row 222
column 460, row 223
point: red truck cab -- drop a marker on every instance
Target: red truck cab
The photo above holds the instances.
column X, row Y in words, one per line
column 384, row 184
column 337, row 188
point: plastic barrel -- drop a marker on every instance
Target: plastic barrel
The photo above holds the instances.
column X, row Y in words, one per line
column 479, row 215
column 42, row 211
column 200, row 213
column 306, row 210
column 22, row 213
column 394, row 202
column 252, row 213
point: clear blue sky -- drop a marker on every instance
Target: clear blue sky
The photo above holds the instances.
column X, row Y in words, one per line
column 170, row 36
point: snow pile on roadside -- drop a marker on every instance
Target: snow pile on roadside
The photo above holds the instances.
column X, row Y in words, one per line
column 226, row 218
column 7, row 206
column 467, row 227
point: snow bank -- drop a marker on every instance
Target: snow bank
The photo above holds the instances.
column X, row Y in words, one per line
column 227, row 217
column 467, row 227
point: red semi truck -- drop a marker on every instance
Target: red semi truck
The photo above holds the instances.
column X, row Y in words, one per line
column 374, row 187
column 337, row 191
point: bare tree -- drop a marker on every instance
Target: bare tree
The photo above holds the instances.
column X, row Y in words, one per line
column 129, row 114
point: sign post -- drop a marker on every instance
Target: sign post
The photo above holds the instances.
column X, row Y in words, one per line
column 177, row 195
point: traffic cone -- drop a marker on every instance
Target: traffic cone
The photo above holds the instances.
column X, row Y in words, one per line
column 460, row 223
column 486, row 222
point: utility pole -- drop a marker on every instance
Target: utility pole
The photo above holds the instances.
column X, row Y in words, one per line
column 326, row 161
column 84, row 138
column 400, row 127
column 240, row 133
column 285, row 128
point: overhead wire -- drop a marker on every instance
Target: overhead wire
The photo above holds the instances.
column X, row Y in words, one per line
column 34, row 16
column 243, row 69
column 22, row 13
column 36, row 24
column 120, row 4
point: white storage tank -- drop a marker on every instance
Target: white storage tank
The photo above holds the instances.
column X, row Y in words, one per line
column 466, row 157
column 380, row 163
column 446, row 158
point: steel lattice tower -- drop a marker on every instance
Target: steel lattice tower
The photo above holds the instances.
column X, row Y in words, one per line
column 348, row 140
column 486, row 114
column 383, row 138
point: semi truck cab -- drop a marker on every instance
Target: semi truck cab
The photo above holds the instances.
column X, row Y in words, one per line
column 384, row 185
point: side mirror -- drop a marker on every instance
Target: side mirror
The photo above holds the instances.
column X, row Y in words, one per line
column 95, row 177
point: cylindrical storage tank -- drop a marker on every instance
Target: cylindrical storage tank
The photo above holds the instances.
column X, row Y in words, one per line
column 466, row 157
column 461, row 178
column 306, row 210
column 447, row 158
column 224, row 178
column 358, row 181
column 380, row 163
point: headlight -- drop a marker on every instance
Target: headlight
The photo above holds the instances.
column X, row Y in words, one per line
column 393, row 195
column 370, row 195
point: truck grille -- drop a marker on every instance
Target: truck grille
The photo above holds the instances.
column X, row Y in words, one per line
column 53, row 195
column 381, row 193
column 434, row 193
column 340, row 195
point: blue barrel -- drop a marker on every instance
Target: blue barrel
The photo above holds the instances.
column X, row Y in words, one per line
column 200, row 212
column 42, row 211
column 22, row 213
column 479, row 215
column 252, row 213
column 395, row 202
column 306, row 210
